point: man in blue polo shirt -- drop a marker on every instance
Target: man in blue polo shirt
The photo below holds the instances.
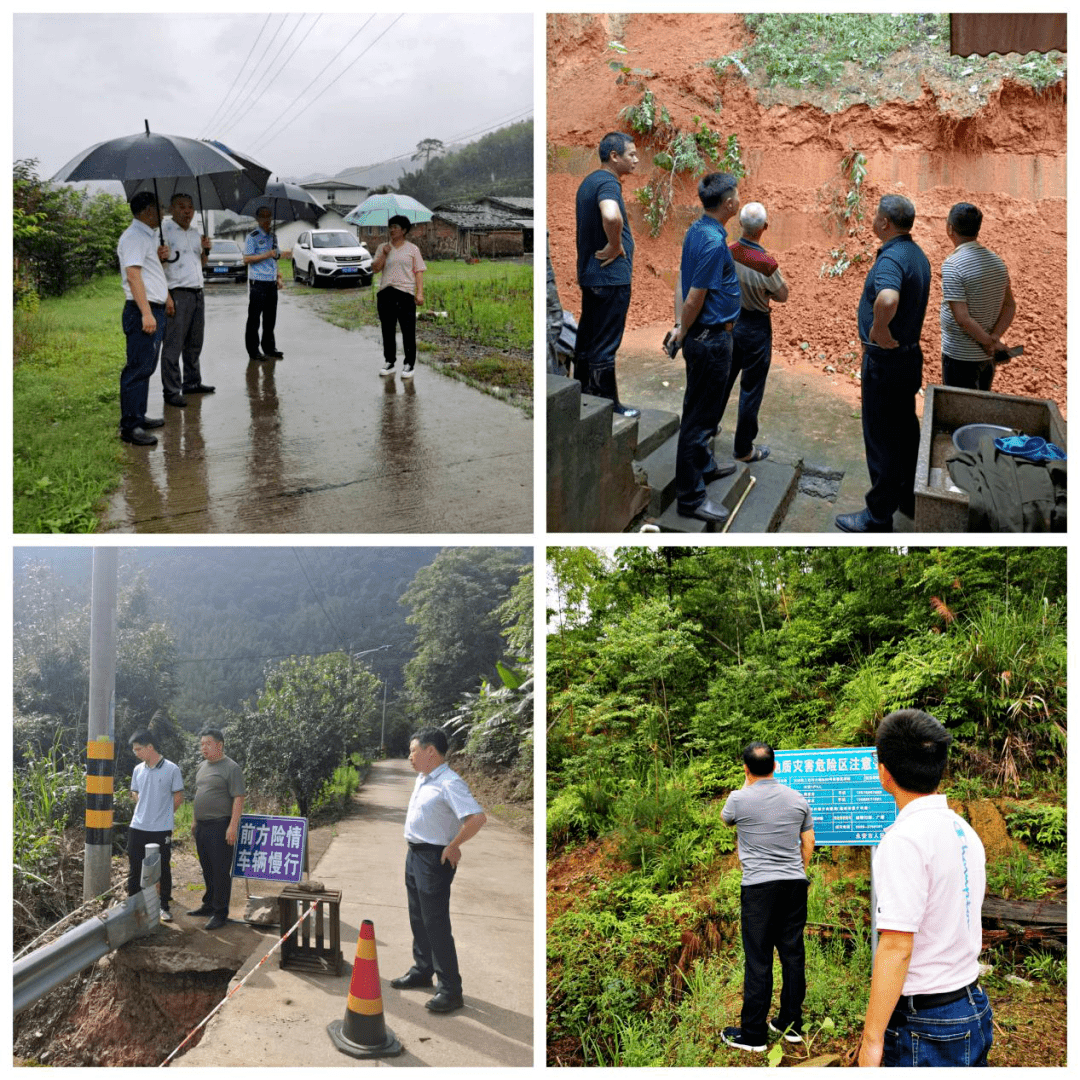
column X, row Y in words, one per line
column 158, row 789
column 891, row 313
column 605, row 264
column 711, row 299
column 442, row 815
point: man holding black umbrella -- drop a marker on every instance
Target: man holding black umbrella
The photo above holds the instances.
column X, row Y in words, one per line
column 147, row 293
column 261, row 254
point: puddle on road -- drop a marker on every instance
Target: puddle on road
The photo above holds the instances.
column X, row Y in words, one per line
column 319, row 442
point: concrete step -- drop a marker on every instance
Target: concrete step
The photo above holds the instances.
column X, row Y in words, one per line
column 655, row 427
column 659, row 469
column 776, row 484
column 727, row 492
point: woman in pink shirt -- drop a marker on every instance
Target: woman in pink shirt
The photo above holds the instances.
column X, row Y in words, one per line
column 401, row 291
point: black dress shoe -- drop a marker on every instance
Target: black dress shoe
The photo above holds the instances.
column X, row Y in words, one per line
column 137, row 437
column 719, row 473
column 861, row 522
column 411, row 980
column 257, row 356
column 276, row 355
column 707, row 511
column 152, row 422
column 178, row 401
column 444, row 1002
column 201, row 388
column 200, row 911
column 216, row 923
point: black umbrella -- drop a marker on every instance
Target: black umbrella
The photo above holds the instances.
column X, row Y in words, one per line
column 229, row 190
column 294, row 203
column 144, row 157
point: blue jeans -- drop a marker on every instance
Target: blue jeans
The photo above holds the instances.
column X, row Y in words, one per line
column 708, row 363
column 958, row 1034
column 599, row 335
column 142, row 358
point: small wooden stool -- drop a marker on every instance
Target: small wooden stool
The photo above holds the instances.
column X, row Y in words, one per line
column 304, row 949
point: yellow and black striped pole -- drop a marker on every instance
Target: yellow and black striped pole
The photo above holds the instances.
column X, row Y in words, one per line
column 100, row 748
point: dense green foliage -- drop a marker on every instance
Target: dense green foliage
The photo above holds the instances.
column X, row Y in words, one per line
column 663, row 663
column 61, row 236
column 455, row 606
column 498, row 164
column 313, row 714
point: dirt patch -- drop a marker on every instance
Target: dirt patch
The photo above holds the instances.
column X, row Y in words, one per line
column 504, row 794
column 987, row 821
column 923, row 135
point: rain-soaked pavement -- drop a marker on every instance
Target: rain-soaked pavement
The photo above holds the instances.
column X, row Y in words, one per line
column 319, row 443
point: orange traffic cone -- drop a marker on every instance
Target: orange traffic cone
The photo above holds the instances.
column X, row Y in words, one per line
column 363, row 1033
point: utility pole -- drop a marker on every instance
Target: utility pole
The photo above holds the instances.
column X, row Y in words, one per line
column 100, row 750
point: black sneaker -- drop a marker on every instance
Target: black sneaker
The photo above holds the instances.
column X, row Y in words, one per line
column 733, row 1036
column 791, row 1034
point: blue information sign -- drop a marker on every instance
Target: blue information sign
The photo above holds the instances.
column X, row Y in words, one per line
column 271, row 848
column 850, row 806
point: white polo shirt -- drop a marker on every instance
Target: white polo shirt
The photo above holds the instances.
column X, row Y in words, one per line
column 156, row 786
column 439, row 801
column 185, row 272
column 930, row 879
column 138, row 246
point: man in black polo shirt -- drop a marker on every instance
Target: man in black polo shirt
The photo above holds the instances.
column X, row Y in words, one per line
column 605, row 263
column 891, row 312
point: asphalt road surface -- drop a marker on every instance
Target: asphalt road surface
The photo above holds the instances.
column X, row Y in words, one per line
column 279, row 1017
column 319, row 443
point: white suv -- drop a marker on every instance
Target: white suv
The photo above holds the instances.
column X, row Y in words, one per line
column 322, row 255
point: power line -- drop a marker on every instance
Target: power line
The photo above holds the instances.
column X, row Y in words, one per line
column 253, row 97
column 238, row 73
column 259, row 137
column 340, row 635
column 332, row 81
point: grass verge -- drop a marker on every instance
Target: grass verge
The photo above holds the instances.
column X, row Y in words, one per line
column 485, row 340
column 68, row 356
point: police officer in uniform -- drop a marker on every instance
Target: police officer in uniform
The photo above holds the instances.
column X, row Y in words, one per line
column 264, row 280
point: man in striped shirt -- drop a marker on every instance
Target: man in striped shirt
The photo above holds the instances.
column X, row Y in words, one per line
column 977, row 304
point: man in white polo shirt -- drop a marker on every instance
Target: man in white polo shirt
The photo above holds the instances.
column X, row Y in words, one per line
column 926, row 1007
column 442, row 815
column 143, row 320
column 158, row 789
column 184, row 329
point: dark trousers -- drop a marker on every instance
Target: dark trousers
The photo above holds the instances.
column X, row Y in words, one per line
column 183, row 337
column 427, row 882
column 215, row 858
column 142, row 357
column 967, row 374
column 890, row 381
column 397, row 308
column 751, row 354
column 599, row 335
column 262, row 304
column 708, row 363
column 773, row 917
column 136, row 849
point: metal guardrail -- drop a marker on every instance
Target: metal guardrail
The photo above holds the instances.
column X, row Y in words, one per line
column 53, row 964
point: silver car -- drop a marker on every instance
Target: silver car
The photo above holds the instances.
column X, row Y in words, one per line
column 225, row 262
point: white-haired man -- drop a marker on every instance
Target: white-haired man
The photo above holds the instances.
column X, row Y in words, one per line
column 751, row 341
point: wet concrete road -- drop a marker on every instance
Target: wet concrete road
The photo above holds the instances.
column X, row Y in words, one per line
column 319, row 443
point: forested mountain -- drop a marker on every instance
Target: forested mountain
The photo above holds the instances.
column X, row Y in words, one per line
column 498, row 164
column 226, row 614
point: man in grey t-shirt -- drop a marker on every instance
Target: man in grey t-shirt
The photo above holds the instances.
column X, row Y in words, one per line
column 219, row 802
column 776, row 840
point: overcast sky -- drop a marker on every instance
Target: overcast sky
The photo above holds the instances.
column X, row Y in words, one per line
column 81, row 79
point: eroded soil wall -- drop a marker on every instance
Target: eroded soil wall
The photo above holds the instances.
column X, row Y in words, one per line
column 1008, row 157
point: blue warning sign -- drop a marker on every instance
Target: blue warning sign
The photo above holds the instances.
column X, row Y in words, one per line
column 850, row 806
